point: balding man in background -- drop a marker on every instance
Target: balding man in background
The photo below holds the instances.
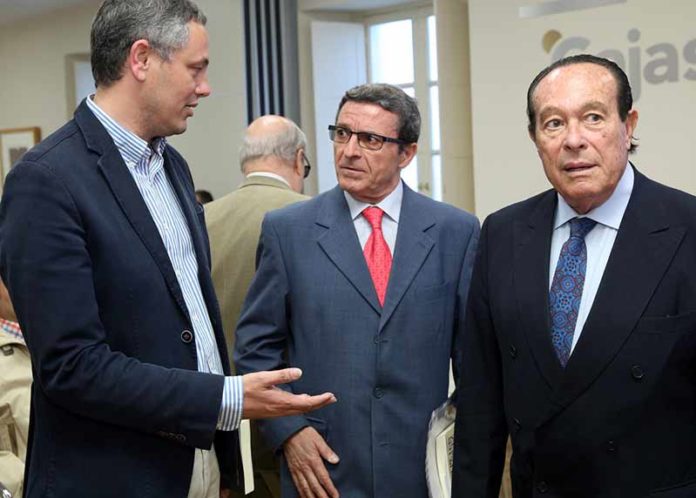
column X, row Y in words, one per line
column 274, row 162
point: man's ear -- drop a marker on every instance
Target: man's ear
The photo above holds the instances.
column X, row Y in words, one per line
column 299, row 163
column 407, row 153
column 139, row 59
column 631, row 123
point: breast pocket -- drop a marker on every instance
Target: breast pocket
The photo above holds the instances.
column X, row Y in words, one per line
column 432, row 293
column 683, row 322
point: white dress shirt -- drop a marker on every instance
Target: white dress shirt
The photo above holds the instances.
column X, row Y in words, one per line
column 391, row 205
column 599, row 241
column 268, row 174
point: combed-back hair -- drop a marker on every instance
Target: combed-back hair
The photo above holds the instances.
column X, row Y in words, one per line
column 119, row 23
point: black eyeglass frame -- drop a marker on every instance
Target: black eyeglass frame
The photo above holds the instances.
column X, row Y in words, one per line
column 307, row 164
column 332, row 136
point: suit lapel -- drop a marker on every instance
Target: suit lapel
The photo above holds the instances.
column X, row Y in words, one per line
column 412, row 246
column 128, row 196
column 532, row 241
column 644, row 247
column 340, row 243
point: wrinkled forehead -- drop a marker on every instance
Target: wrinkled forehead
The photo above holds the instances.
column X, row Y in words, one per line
column 367, row 116
column 575, row 81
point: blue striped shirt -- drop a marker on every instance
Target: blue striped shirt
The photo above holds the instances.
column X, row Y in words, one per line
column 146, row 165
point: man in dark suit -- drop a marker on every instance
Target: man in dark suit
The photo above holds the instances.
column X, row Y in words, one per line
column 105, row 254
column 273, row 160
column 376, row 329
column 582, row 317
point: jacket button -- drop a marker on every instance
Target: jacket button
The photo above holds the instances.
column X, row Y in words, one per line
column 637, row 372
column 518, row 424
column 542, row 487
column 378, row 392
column 513, row 352
column 611, row 446
column 376, row 339
column 186, row 336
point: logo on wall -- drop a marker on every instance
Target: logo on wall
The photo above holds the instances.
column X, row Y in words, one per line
column 655, row 64
column 548, row 7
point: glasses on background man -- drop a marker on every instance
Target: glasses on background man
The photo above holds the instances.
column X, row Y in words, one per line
column 366, row 140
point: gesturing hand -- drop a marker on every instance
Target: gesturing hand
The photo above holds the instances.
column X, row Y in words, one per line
column 262, row 399
column 305, row 452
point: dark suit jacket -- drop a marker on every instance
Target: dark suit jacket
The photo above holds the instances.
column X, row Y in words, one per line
column 118, row 406
column 620, row 420
column 313, row 298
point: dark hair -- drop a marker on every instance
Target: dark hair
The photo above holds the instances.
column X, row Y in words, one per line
column 624, row 97
column 203, row 196
column 392, row 99
column 120, row 23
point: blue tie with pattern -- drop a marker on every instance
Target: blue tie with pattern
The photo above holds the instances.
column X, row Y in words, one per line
column 566, row 288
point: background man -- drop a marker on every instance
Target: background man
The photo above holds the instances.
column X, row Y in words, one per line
column 204, row 197
column 15, row 386
column 274, row 161
column 105, row 253
column 370, row 309
column 582, row 315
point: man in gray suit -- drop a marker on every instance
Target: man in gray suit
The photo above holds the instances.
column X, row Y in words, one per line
column 364, row 287
column 274, row 161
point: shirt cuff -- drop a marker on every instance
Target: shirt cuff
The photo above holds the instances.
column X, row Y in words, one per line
column 230, row 416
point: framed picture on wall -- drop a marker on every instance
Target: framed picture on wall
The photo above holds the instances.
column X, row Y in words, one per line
column 14, row 142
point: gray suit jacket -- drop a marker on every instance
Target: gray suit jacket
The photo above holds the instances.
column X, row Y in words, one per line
column 313, row 303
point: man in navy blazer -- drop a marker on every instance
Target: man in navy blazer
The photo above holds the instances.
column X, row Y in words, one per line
column 380, row 338
column 608, row 410
column 105, row 254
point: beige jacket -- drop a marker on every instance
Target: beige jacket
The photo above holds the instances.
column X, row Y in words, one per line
column 234, row 227
column 15, row 394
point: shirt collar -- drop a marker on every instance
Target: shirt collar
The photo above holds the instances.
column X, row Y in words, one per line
column 391, row 204
column 133, row 149
column 609, row 213
column 11, row 328
column 268, row 174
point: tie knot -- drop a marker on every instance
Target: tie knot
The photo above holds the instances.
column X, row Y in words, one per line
column 373, row 215
column 579, row 227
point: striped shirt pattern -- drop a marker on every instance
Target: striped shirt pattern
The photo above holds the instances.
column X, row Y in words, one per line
column 146, row 165
column 12, row 328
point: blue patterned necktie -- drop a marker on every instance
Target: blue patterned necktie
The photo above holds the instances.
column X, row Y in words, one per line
column 566, row 288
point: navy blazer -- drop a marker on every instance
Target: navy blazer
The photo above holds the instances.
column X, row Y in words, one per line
column 117, row 404
column 620, row 420
column 313, row 299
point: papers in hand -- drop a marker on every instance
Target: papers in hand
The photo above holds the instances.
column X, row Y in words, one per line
column 439, row 450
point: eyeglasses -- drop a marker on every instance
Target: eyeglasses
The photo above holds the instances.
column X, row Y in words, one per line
column 307, row 165
column 366, row 140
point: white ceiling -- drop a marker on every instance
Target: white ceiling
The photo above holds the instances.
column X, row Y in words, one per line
column 349, row 5
column 15, row 10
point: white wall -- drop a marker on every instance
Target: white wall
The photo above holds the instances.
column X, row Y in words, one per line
column 33, row 85
column 32, row 67
column 507, row 52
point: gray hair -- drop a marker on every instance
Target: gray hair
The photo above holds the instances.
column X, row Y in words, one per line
column 120, row 23
column 283, row 145
column 390, row 98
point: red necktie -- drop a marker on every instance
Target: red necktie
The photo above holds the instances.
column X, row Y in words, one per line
column 377, row 254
